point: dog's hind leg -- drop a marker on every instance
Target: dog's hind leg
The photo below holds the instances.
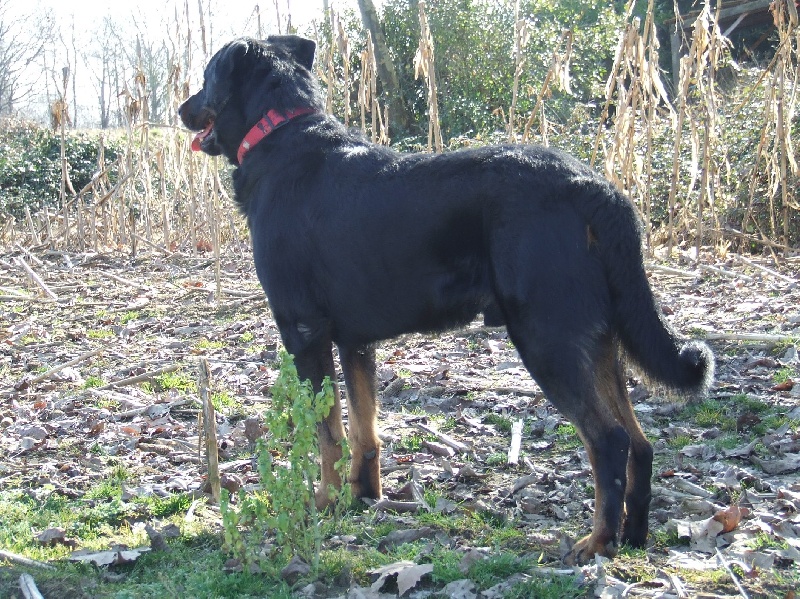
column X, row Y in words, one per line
column 358, row 365
column 314, row 362
column 559, row 363
column 610, row 383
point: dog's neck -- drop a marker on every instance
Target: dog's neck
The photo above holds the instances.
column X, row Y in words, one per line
column 268, row 123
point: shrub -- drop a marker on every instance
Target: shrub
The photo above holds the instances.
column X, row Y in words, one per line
column 30, row 165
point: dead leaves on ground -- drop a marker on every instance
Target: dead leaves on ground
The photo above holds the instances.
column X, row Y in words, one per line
column 83, row 392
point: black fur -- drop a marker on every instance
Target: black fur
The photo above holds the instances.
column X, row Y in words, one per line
column 355, row 243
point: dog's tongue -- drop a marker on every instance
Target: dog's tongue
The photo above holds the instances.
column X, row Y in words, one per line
column 200, row 137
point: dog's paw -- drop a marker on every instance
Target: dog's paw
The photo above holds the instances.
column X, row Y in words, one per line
column 584, row 550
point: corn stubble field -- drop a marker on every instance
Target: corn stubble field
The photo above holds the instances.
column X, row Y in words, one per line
column 113, row 306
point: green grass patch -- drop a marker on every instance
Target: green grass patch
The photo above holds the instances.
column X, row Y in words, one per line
column 205, row 344
column 223, row 401
column 680, row 441
column 93, row 381
column 567, row 437
column 99, row 334
column 179, row 381
column 503, row 423
column 129, row 316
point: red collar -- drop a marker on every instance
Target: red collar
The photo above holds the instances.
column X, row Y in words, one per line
column 268, row 123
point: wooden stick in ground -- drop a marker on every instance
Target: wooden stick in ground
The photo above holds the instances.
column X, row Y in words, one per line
column 210, row 429
column 36, row 279
column 139, row 378
column 516, row 442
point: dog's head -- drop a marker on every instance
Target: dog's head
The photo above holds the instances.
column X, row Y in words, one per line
column 244, row 80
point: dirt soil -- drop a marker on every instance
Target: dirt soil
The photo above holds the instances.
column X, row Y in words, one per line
column 726, row 488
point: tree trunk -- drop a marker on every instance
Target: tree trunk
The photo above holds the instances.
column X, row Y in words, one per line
column 386, row 69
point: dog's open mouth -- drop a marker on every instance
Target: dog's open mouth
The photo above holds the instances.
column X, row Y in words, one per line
column 197, row 142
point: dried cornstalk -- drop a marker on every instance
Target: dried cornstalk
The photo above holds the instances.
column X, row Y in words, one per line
column 368, row 95
column 698, row 69
column 521, row 37
column 635, row 87
column 424, row 65
column 775, row 147
column 558, row 75
column 343, row 44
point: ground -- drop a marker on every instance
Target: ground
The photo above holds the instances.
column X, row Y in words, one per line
column 90, row 457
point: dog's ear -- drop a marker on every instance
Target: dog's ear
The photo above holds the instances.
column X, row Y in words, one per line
column 301, row 49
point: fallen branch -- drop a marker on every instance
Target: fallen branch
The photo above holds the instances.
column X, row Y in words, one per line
column 23, row 561
column 124, row 281
column 28, row 587
column 689, row 274
column 726, row 273
column 52, row 371
column 733, row 576
column 752, row 337
column 769, row 271
column 396, row 506
column 139, row 378
column 446, row 439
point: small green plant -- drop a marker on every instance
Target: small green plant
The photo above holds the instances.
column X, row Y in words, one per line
column 784, row 374
column 180, row 381
column 128, row 316
column 679, row 441
column 92, row 381
column 247, row 337
column 222, row 400
column 209, row 344
column 568, row 437
column 496, row 460
column 503, row 423
column 287, row 466
column 100, row 334
column 411, row 443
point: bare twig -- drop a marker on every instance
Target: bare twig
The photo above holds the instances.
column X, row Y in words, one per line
column 751, row 337
column 769, row 271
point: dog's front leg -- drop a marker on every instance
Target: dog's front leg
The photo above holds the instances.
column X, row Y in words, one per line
column 314, row 362
column 358, row 365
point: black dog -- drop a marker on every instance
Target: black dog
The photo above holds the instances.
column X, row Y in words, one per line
column 355, row 243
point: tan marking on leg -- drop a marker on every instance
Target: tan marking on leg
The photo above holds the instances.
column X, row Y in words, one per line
column 365, row 446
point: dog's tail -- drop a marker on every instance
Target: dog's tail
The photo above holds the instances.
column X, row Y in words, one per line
column 646, row 337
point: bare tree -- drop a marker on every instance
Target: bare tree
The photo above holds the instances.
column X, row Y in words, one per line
column 19, row 48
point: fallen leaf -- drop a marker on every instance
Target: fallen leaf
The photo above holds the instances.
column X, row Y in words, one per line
column 408, row 575
column 783, row 466
column 111, row 557
column 730, row 517
column 786, row 385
